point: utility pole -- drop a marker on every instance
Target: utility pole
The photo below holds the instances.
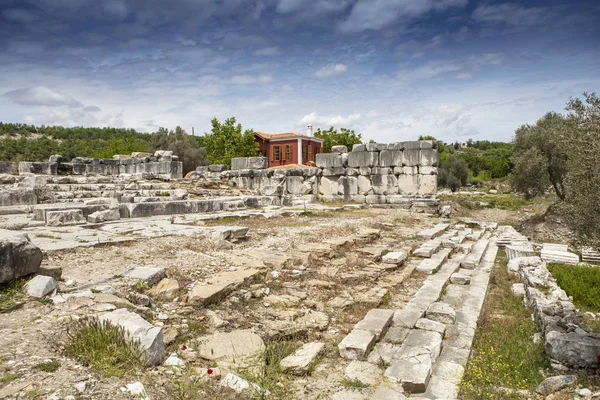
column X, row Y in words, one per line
column 193, row 134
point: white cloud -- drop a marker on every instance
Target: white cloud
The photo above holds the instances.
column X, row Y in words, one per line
column 331, row 70
column 41, row 96
column 513, row 14
column 267, row 51
column 250, row 80
column 326, row 121
column 185, row 42
column 378, row 14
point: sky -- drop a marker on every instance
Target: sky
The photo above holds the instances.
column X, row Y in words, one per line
column 389, row 69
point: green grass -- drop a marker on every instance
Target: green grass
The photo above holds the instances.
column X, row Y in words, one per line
column 10, row 377
column 510, row 202
column 49, row 366
column 503, row 353
column 104, row 347
column 354, row 384
column 11, row 293
column 268, row 374
column 581, row 282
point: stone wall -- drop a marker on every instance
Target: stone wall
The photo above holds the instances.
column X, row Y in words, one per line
column 395, row 173
column 163, row 165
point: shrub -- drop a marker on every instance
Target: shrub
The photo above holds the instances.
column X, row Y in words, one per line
column 105, row 347
column 581, row 282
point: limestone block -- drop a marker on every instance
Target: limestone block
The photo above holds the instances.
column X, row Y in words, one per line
column 357, row 344
column 257, row 162
column 339, row 149
column 352, row 171
column 363, row 371
column 411, row 158
column 241, row 345
column 518, row 290
column 364, row 171
column 40, row 286
column 17, row 196
column 328, row 186
column 400, row 200
column 294, row 185
column 167, row 289
column 208, row 294
column 396, row 334
column 395, row 257
column 441, row 312
column 147, row 275
column 573, row 349
column 458, row 278
column 408, row 184
column 375, row 199
column 406, row 170
column 363, row 159
column 420, row 342
column 328, row 160
column 430, row 325
column 427, row 184
column 381, row 171
column 413, row 374
column 424, row 170
column 334, row 171
column 364, row 184
column 390, row 158
column 301, row 360
column 239, row 163
column 348, row 186
column 384, row 184
column 429, row 158
column 375, row 146
column 18, row 256
column 149, row 336
column 359, row 147
column 64, row 217
column 377, row 321
column 359, row 198
column 406, row 318
column 112, row 214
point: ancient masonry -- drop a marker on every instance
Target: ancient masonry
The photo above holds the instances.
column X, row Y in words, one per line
column 402, row 174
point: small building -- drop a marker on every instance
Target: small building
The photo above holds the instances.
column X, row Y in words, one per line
column 289, row 148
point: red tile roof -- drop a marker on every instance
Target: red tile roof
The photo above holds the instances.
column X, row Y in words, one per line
column 268, row 136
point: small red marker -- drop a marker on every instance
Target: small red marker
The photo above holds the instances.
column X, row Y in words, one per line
column 210, row 371
column 184, row 347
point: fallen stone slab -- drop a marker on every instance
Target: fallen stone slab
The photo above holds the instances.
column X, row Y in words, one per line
column 302, row 359
column 430, row 325
column 559, row 257
column 18, row 256
column 433, row 264
column 383, row 352
column 589, row 255
column 518, row 290
column 166, row 289
column 54, row 272
column 396, row 335
column 220, row 285
column 434, row 232
column 240, row 346
column 40, row 286
column 441, row 312
column 472, row 260
column 395, row 257
column 427, row 249
column 357, row 344
column 65, row 217
column 573, row 349
column 239, row 384
column 406, row 318
column 458, row 278
column 149, row 336
column 555, row 383
column 147, row 275
column 362, row 371
column 376, row 321
column 420, row 342
column 112, row 214
column 413, row 373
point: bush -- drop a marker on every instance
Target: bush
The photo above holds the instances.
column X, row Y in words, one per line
column 105, row 347
column 453, row 173
column 581, row 282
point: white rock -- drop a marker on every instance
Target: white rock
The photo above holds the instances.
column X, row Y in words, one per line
column 238, row 384
column 585, row 393
column 148, row 275
column 137, row 389
column 301, row 360
column 174, row 361
column 40, row 286
column 80, row 386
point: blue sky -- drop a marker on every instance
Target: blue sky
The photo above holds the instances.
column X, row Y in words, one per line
column 390, row 69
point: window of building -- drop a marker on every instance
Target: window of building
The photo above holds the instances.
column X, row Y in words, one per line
column 305, row 153
column 276, row 153
column 288, row 152
column 264, row 153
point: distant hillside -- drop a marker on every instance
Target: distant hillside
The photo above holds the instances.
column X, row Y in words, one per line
column 21, row 142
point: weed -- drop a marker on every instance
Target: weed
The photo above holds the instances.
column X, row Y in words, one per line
column 93, row 290
column 141, row 286
column 10, row 377
column 105, row 347
column 48, row 366
column 382, row 364
column 503, row 353
column 354, row 384
column 10, row 294
column 32, row 394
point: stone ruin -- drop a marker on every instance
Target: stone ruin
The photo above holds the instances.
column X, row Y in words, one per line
column 401, row 174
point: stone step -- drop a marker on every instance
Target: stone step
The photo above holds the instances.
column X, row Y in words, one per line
column 434, row 232
column 559, row 257
column 433, row 264
column 473, row 259
column 590, row 255
column 428, row 248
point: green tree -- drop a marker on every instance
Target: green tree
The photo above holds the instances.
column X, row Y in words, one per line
column 331, row 137
column 188, row 149
column 226, row 141
column 530, row 145
column 581, row 142
column 453, row 173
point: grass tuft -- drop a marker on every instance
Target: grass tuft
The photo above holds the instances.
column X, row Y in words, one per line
column 48, row 366
column 354, row 384
column 105, row 347
column 11, row 293
column 503, row 354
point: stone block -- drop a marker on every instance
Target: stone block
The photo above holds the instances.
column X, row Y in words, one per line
column 429, row 158
column 357, row 344
column 64, row 217
column 573, row 349
column 347, row 186
column 441, row 312
column 377, row 321
column 408, row 184
column 413, row 373
column 518, row 290
column 112, row 214
column 149, row 336
column 411, row 158
column 375, row 199
column 390, row 158
column 555, row 383
column 427, row 185
column 328, row 160
column 375, row 146
column 238, row 163
column 383, row 351
column 384, row 184
column 406, row 318
column 302, row 359
column 166, row 289
column 364, row 184
column 240, row 346
column 430, row 325
column 458, row 278
column 147, row 275
column 18, row 256
column 362, row 371
column 396, row 334
column 395, row 257
column 17, row 196
column 328, row 186
column 333, row 171
column 339, row 149
column 424, row 170
column 257, row 163
column 294, row 185
column 389, row 391
column 428, row 248
column 381, row 171
column 40, row 286
column 363, row 159
column 52, row 271
column 358, row 147
column 365, row 171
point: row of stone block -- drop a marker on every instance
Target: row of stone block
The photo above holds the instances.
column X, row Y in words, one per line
column 378, row 185
column 384, row 158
